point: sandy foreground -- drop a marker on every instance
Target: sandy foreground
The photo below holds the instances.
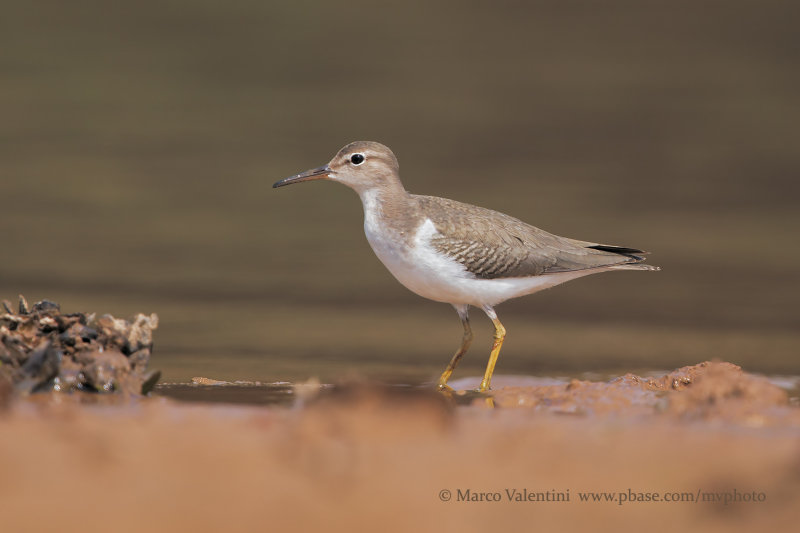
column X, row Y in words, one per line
column 722, row 442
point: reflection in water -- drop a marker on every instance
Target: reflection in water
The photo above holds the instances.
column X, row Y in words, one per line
column 278, row 394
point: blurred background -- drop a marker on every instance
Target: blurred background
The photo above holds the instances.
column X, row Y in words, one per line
column 139, row 143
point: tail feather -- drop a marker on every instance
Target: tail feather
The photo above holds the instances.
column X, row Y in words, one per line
column 634, row 254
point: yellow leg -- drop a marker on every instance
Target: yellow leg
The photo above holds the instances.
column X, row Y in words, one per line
column 466, row 340
column 499, row 335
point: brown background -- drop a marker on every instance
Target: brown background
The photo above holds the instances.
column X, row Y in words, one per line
column 138, row 145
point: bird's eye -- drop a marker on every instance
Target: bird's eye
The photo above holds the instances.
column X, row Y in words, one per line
column 357, row 159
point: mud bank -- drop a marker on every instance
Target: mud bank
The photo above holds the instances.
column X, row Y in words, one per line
column 706, row 448
column 711, row 391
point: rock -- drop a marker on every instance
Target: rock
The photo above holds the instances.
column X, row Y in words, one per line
column 150, row 380
column 42, row 349
column 41, row 366
column 45, row 306
column 23, row 305
column 106, row 370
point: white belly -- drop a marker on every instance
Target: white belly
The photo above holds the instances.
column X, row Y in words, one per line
column 435, row 276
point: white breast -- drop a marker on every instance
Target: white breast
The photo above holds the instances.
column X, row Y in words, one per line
column 425, row 271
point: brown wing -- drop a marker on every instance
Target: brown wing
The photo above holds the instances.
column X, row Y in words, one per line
column 493, row 245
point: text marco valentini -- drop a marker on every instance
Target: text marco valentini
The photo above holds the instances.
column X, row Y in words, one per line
column 512, row 495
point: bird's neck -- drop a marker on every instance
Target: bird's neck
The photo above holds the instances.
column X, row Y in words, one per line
column 386, row 205
column 390, row 195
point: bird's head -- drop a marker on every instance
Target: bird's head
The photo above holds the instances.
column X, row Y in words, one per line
column 361, row 165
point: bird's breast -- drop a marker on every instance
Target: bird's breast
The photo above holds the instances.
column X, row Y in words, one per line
column 408, row 255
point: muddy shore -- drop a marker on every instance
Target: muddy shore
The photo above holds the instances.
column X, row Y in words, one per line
column 361, row 456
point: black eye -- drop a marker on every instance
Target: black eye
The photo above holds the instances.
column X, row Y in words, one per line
column 357, row 159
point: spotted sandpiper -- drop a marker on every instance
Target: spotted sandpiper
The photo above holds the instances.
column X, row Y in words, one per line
column 458, row 253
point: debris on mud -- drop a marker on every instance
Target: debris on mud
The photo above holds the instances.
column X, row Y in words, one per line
column 42, row 350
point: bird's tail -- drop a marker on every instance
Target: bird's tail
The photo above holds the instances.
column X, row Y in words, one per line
column 636, row 257
column 633, row 253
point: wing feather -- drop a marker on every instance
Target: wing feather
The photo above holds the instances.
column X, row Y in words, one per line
column 493, row 245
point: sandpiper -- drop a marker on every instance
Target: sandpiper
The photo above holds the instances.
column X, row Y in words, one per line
column 458, row 253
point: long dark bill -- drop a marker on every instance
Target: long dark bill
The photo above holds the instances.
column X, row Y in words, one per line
column 313, row 174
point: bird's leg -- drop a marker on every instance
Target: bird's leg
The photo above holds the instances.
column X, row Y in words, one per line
column 499, row 335
column 466, row 340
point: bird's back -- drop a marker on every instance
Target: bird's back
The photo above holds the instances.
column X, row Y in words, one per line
column 492, row 245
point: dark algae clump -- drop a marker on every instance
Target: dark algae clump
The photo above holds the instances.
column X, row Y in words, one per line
column 43, row 349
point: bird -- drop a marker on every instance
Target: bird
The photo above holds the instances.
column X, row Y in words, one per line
column 457, row 253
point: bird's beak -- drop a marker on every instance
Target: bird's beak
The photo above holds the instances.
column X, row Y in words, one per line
column 313, row 174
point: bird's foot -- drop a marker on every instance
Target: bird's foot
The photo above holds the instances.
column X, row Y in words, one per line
column 445, row 388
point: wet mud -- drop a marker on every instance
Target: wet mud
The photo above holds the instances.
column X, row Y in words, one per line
column 709, row 391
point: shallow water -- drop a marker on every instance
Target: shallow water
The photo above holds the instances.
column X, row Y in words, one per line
column 286, row 394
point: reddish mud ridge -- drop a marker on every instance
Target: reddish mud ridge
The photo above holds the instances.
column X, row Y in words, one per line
column 42, row 349
column 706, row 391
